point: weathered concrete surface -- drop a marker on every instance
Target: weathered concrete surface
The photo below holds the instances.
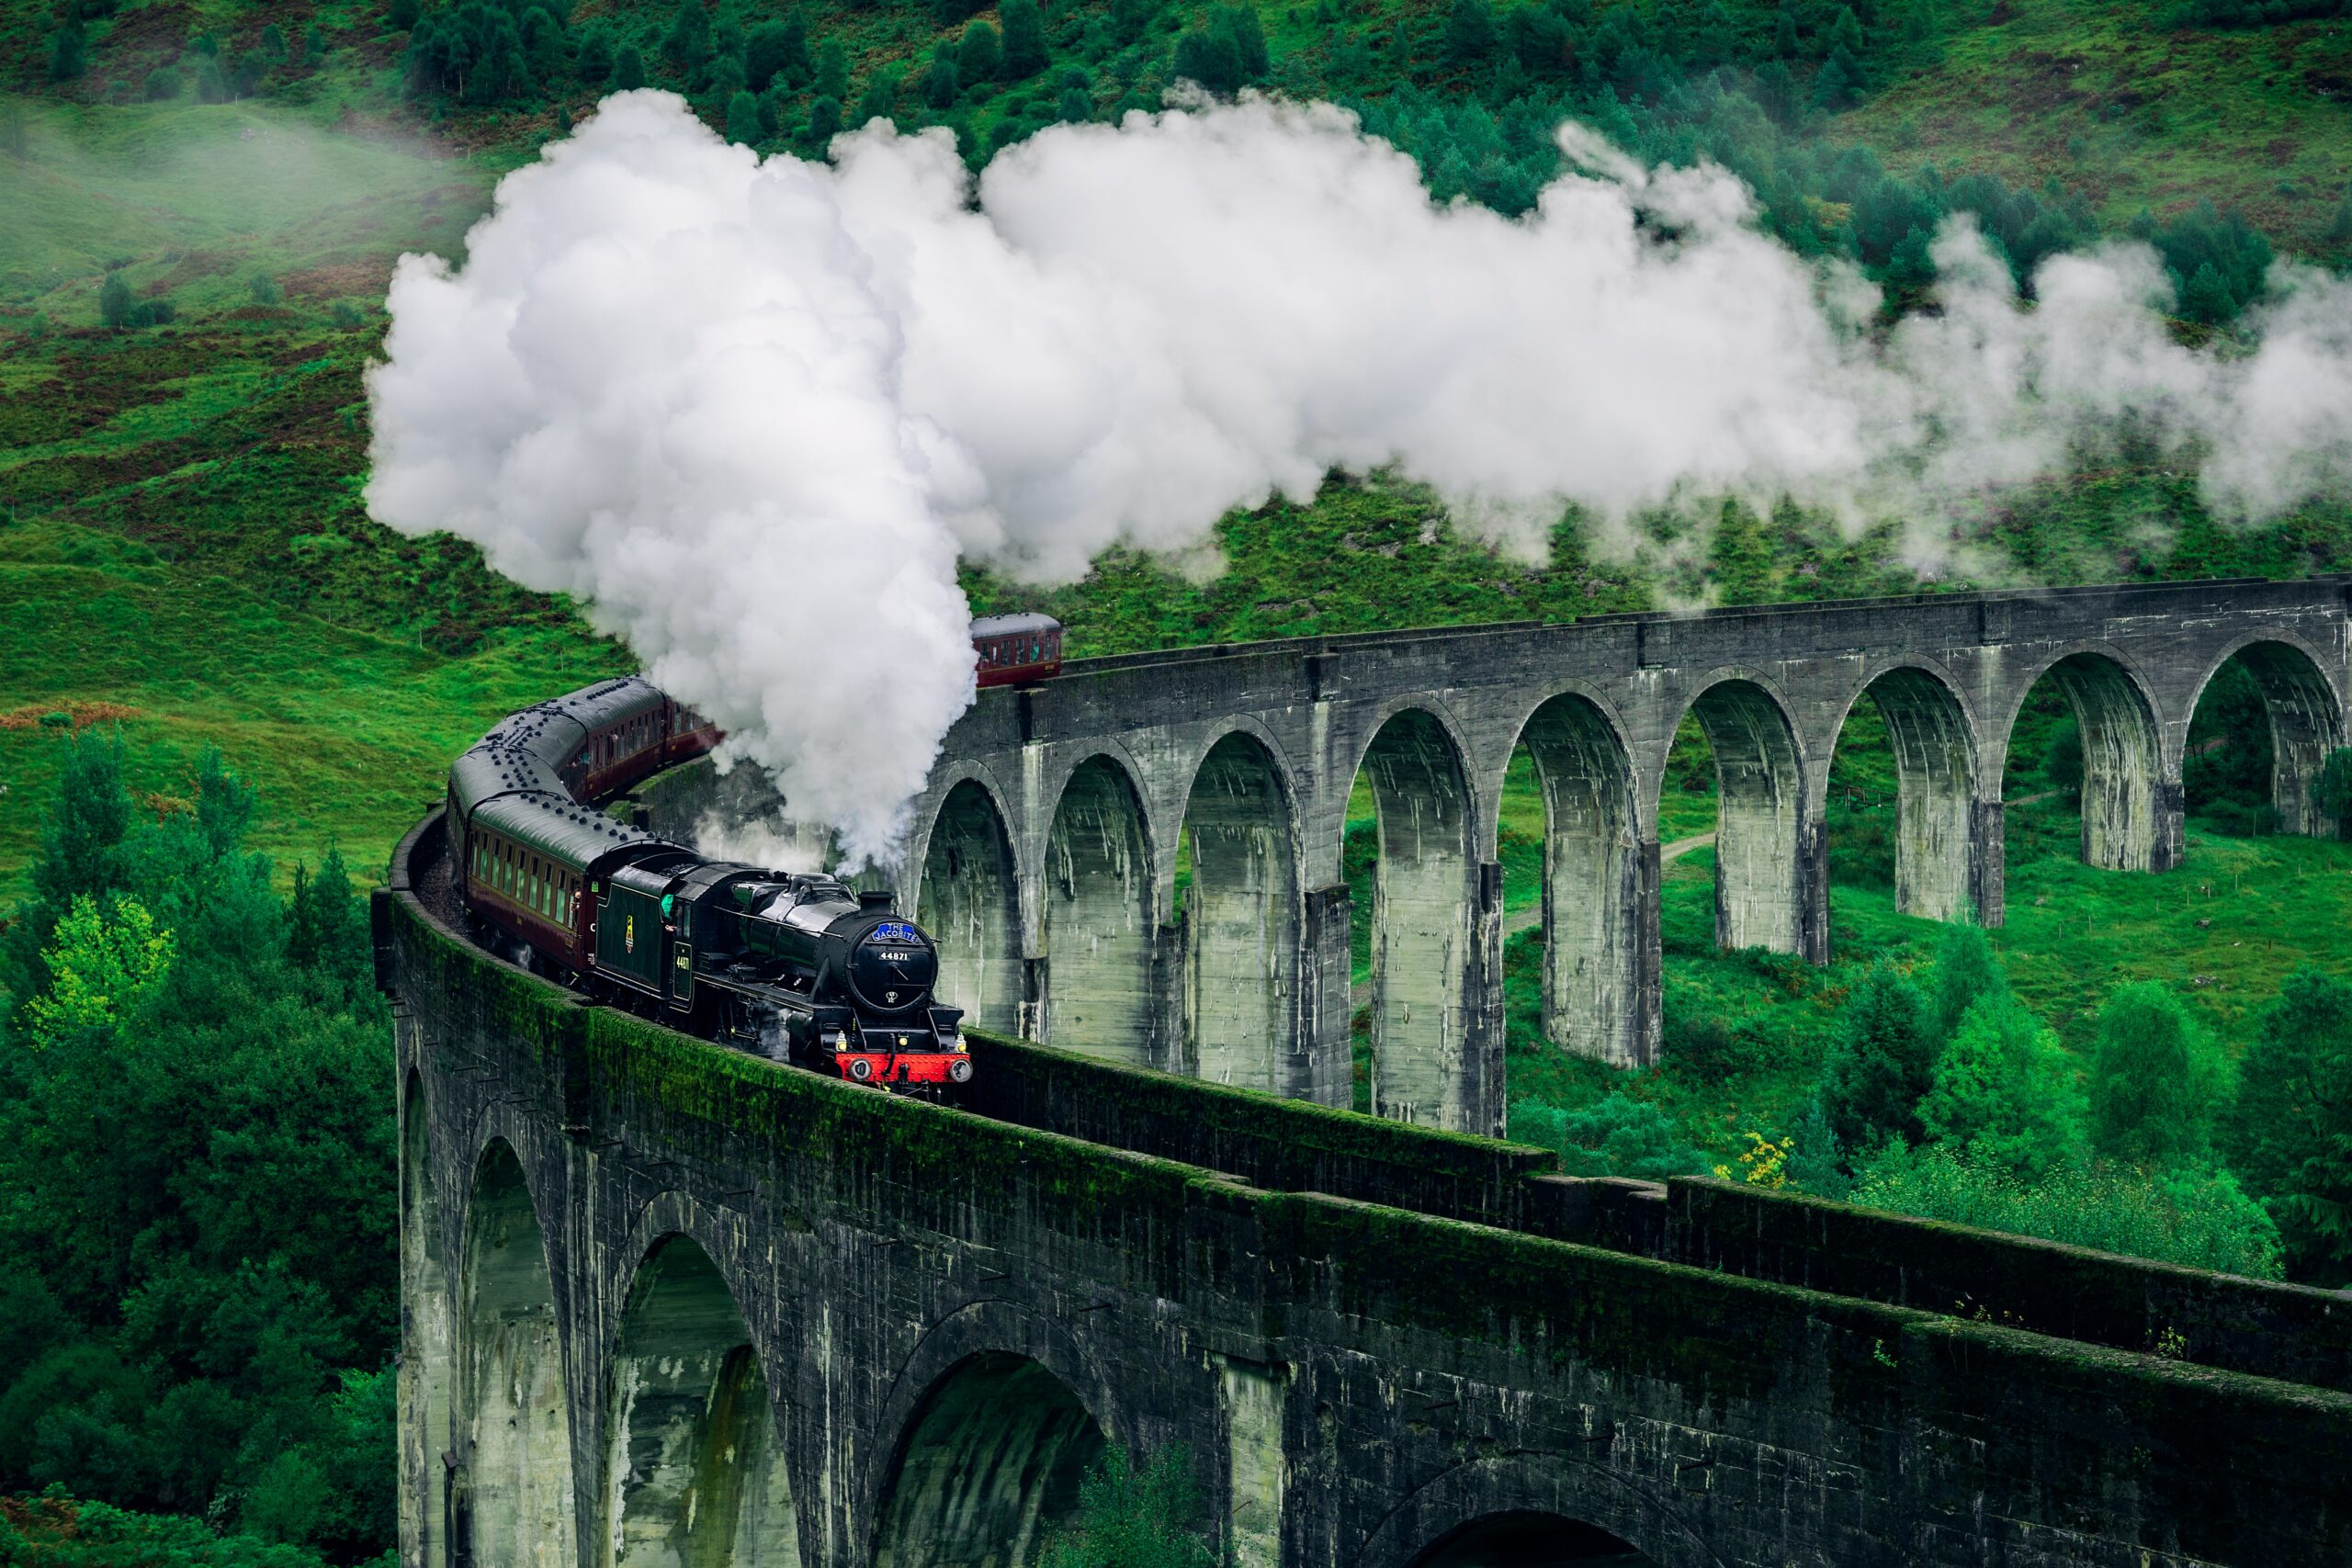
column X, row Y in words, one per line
column 1432, row 717
column 665, row 1302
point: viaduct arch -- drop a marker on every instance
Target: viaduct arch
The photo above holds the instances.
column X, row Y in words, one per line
column 665, row 1303
column 1045, row 849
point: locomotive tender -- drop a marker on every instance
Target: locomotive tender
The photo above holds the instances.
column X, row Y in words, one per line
column 798, row 967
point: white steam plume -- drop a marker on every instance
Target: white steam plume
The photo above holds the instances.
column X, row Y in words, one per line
column 753, row 411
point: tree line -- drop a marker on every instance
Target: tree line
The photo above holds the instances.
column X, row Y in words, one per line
column 200, row 1308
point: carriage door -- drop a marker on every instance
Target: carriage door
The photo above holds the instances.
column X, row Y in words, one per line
column 681, row 959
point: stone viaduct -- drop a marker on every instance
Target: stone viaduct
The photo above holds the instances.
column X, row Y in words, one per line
column 668, row 1305
column 1045, row 850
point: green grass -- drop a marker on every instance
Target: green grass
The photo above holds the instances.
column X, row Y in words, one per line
column 2099, row 97
column 348, row 734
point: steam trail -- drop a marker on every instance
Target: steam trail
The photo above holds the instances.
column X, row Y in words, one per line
column 752, row 411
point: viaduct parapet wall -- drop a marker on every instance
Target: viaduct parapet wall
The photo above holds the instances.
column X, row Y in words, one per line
column 667, row 1304
column 1044, row 852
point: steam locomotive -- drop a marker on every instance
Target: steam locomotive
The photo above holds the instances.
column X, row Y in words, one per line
column 802, row 968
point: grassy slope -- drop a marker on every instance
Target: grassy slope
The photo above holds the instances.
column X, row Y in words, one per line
column 2096, row 96
column 179, row 514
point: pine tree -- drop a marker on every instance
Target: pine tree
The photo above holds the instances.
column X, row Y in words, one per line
column 1883, row 1065
column 744, row 119
column 2206, row 298
column 881, row 99
column 273, row 43
column 402, row 15
column 777, row 49
column 81, row 851
column 594, row 61
column 832, row 70
column 687, row 44
column 628, row 68
column 314, row 45
column 1024, row 39
column 982, row 55
column 1785, row 35
column 1967, row 972
column 824, row 120
column 1469, row 33
column 940, row 83
column 67, row 52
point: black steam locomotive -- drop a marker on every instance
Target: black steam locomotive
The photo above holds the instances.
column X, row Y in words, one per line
column 804, row 968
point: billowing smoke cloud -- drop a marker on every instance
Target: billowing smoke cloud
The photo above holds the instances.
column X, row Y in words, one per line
column 752, row 411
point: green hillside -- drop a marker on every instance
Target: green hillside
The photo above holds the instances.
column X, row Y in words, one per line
column 200, row 205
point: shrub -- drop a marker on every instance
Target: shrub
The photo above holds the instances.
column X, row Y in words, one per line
column 163, row 83
column 1131, row 1518
column 1615, row 1135
column 2200, row 1218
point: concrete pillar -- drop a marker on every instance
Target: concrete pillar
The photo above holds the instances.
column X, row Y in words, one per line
column 1590, row 872
column 1762, row 888
column 512, row 1490
column 1324, row 1070
column 427, row 1353
column 1934, row 766
column 1988, row 862
column 2306, row 724
column 1426, row 935
column 1250, row 1403
column 2128, row 823
column 1103, row 986
column 1238, row 992
column 970, row 903
column 1484, row 1091
column 1649, row 957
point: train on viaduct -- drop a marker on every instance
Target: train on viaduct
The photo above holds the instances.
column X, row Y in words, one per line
column 668, row 1303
